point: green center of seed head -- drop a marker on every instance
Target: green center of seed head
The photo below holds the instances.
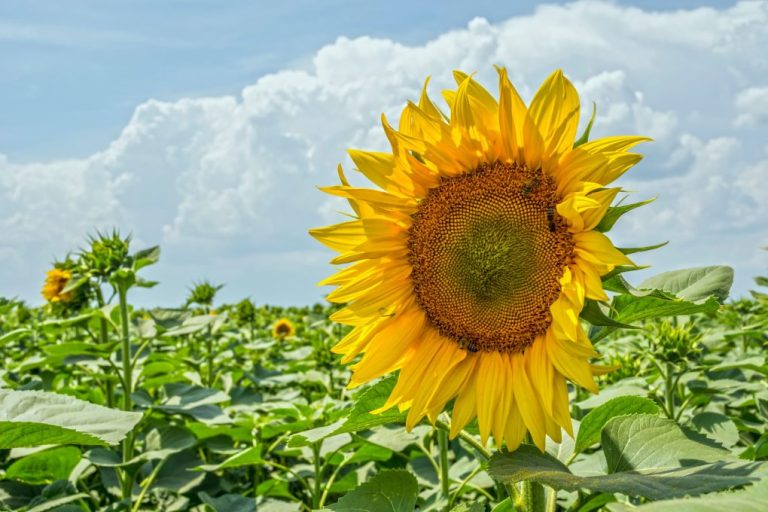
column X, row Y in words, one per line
column 494, row 260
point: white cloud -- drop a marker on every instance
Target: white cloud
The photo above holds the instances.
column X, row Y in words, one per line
column 227, row 184
column 752, row 106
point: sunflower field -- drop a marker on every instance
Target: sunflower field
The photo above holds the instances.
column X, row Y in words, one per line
column 482, row 349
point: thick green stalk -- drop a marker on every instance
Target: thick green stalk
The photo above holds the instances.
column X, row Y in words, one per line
column 318, row 487
column 127, row 386
column 466, row 437
column 445, row 482
column 209, row 350
column 669, row 390
column 104, row 339
column 533, row 496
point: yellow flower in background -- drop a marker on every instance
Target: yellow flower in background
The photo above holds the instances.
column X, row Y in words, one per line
column 472, row 261
column 55, row 281
column 283, row 328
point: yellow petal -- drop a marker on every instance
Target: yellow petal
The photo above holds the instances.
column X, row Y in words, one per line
column 593, row 216
column 419, row 356
column 591, row 278
column 516, row 430
column 595, row 247
column 614, row 143
column 464, row 406
column 560, row 410
column 527, row 402
column 385, row 350
column 447, row 358
column 512, row 115
column 576, row 369
column 487, row 387
column 555, row 112
column 454, row 381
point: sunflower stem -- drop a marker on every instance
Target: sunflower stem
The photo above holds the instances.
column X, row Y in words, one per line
column 104, row 339
column 209, row 355
column 533, row 496
column 474, row 443
column 127, row 387
column 318, row 482
column 669, row 389
column 445, row 482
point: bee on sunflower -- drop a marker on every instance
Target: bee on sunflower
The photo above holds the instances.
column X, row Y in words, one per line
column 467, row 269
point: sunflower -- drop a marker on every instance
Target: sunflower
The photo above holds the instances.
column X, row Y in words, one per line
column 472, row 261
column 283, row 329
column 55, row 281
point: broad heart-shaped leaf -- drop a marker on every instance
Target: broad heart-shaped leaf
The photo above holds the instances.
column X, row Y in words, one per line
column 693, row 284
column 35, row 418
column 646, row 456
column 751, row 499
column 679, row 292
column 593, row 423
column 645, row 441
column 389, row 491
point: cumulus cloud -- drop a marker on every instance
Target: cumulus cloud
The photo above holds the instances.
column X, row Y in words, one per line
column 227, row 184
column 752, row 106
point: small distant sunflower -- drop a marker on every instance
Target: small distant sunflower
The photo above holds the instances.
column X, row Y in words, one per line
column 471, row 265
column 283, row 329
column 55, row 281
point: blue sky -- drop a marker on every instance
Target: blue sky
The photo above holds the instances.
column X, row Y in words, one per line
column 204, row 125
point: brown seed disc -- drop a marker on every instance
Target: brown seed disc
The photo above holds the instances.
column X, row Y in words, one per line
column 488, row 249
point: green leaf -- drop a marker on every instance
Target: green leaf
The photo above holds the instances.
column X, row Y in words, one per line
column 646, row 456
column 191, row 325
column 248, row 457
column 717, row 427
column 57, row 503
column 228, row 502
column 35, row 418
column 14, row 335
column 504, row 506
column 593, row 423
column 389, row 491
column 146, row 257
column 178, row 475
column 614, row 213
column 631, row 309
column 307, row 437
column 694, row 284
column 45, row 466
column 751, row 499
column 594, row 314
column 161, row 444
column 360, row 418
column 78, row 348
column 645, row 248
column 466, row 507
column 74, row 283
column 644, row 441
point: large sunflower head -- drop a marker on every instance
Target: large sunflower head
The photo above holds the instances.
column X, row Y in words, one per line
column 55, row 281
column 471, row 262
